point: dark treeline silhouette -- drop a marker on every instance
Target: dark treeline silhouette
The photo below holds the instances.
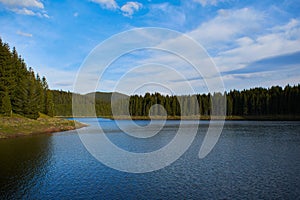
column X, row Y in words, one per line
column 21, row 90
column 252, row 102
column 260, row 101
column 25, row 93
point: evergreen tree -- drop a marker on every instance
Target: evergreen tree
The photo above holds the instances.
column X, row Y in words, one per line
column 41, row 94
column 49, row 104
column 31, row 101
column 6, row 105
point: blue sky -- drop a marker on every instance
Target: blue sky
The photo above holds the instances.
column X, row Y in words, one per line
column 252, row 43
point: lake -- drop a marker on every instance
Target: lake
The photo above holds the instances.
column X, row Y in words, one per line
column 252, row 160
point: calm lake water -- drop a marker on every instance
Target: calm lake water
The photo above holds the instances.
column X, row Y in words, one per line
column 252, row 160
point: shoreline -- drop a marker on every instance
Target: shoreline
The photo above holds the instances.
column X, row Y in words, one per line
column 18, row 126
column 205, row 117
column 227, row 118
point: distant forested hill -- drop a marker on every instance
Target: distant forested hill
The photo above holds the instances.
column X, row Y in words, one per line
column 26, row 93
column 106, row 96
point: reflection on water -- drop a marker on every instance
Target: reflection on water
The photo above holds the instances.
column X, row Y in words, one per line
column 256, row 160
column 23, row 161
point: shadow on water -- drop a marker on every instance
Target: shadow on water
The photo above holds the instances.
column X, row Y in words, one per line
column 23, row 162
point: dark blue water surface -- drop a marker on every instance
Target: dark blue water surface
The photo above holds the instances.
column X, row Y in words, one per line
column 252, row 160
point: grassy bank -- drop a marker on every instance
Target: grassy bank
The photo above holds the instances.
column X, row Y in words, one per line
column 20, row 126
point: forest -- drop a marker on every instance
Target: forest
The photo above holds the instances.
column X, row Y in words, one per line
column 24, row 92
column 252, row 102
column 21, row 90
column 272, row 101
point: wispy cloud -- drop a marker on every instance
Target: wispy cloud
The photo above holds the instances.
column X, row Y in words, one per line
column 244, row 38
column 26, row 7
column 165, row 15
column 290, row 75
column 107, row 4
column 208, row 2
column 24, row 34
column 151, row 78
column 239, row 41
column 23, row 3
column 280, row 62
column 25, row 11
column 58, row 78
column 130, row 7
column 226, row 26
column 274, row 43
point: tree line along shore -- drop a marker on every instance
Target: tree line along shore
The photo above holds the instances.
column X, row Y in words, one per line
column 25, row 95
column 26, row 102
column 275, row 103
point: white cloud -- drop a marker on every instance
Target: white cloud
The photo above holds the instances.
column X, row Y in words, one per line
column 26, row 7
column 166, row 15
column 226, row 26
column 127, row 9
column 279, row 41
column 25, row 11
column 45, row 15
column 107, row 4
column 23, row 3
column 292, row 24
column 178, row 76
column 130, row 7
column 151, row 78
column 24, row 34
column 263, row 79
column 58, row 78
column 237, row 38
column 208, row 2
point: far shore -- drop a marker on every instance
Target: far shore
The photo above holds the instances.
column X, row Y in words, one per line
column 202, row 117
column 16, row 126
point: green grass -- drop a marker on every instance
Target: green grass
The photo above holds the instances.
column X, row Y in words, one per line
column 20, row 126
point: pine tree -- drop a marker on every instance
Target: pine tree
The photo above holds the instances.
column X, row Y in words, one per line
column 41, row 94
column 6, row 105
column 49, row 104
column 30, row 103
